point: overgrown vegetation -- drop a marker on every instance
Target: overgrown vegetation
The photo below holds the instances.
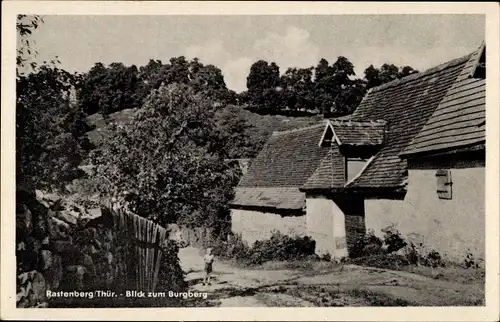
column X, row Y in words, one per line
column 278, row 247
column 394, row 252
column 167, row 163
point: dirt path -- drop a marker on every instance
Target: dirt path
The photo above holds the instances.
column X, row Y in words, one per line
column 349, row 286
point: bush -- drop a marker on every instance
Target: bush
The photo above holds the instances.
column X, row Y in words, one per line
column 366, row 245
column 171, row 276
column 326, row 257
column 393, row 239
column 278, row 247
column 412, row 254
column 368, row 251
column 470, row 261
column 282, row 248
column 433, row 259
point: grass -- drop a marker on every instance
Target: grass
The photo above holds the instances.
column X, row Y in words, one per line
column 334, row 296
column 271, row 123
column 311, row 266
column 376, row 298
column 452, row 274
column 264, row 124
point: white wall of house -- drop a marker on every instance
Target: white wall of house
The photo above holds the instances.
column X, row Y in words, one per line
column 326, row 225
column 255, row 225
column 449, row 226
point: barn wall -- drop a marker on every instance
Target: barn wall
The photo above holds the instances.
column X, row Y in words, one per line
column 319, row 218
column 326, row 224
column 255, row 225
column 449, row 226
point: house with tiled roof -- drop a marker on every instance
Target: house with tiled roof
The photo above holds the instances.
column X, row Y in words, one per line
column 411, row 155
column 428, row 179
column 268, row 196
column 294, row 178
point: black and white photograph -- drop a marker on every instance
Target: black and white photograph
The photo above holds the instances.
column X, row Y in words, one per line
column 254, row 160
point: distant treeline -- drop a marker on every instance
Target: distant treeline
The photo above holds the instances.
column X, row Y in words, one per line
column 330, row 89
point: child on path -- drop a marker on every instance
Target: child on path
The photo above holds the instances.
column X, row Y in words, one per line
column 209, row 260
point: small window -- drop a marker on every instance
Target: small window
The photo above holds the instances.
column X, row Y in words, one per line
column 444, row 184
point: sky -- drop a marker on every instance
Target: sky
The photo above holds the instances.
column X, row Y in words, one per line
column 233, row 43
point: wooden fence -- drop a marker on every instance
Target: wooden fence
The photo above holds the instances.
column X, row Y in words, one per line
column 142, row 242
column 197, row 237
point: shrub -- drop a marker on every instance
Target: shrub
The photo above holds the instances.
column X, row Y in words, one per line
column 326, row 257
column 366, row 245
column 412, row 254
column 368, row 251
column 171, row 276
column 393, row 239
column 278, row 247
column 470, row 261
column 433, row 259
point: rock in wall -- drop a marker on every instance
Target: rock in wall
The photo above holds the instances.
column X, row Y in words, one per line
column 55, row 250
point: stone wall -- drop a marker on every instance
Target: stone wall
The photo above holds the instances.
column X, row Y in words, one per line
column 255, row 225
column 56, row 251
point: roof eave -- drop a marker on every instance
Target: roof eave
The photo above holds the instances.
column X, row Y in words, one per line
column 414, row 154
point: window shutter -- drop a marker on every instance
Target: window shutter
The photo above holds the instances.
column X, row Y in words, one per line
column 444, row 184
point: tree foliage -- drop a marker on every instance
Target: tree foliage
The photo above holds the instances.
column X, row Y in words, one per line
column 116, row 87
column 50, row 129
column 166, row 163
column 298, row 89
column 386, row 73
column 109, row 89
column 263, row 85
column 25, row 26
column 336, row 93
column 329, row 89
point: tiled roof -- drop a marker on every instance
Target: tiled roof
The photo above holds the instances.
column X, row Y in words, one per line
column 330, row 173
column 406, row 104
column 288, row 159
column 359, row 133
column 459, row 118
column 279, row 198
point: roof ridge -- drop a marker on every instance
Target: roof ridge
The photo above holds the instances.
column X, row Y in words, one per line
column 427, row 72
column 362, row 123
column 323, row 123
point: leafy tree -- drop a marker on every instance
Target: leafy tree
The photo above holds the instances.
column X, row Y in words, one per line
column 25, row 25
column 166, row 163
column 298, row 89
column 386, row 73
column 109, row 89
column 207, row 79
column 155, row 73
column 263, row 87
column 50, row 128
column 336, row 93
column 116, row 87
